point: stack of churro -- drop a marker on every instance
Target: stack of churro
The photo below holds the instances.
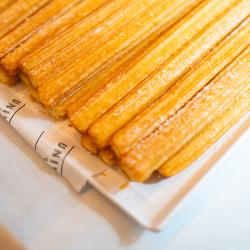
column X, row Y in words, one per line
column 150, row 85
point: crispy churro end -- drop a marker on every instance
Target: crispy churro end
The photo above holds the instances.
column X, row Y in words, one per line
column 167, row 172
column 88, row 144
column 9, row 65
column 57, row 113
column 135, row 174
column 77, row 120
column 31, row 89
column 115, row 143
column 100, row 142
column 22, row 65
column 7, row 79
column 108, row 157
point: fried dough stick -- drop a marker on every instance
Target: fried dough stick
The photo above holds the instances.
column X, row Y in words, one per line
column 148, row 155
column 153, row 87
column 15, row 37
column 70, row 36
column 208, row 136
column 105, row 76
column 59, row 86
column 86, row 45
column 24, row 31
column 88, row 144
column 110, row 68
column 86, row 139
column 177, row 96
column 17, row 13
column 48, row 22
column 90, row 86
column 4, row 4
column 11, row 17
column 198, row 145
column 108, row 157
column 5, row 78
column 100, row 77
column 87, row 110
column 146, row 122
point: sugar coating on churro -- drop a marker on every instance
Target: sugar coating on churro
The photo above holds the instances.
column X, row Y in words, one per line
column 149, row 85
column 84, row 112
column 151, row 89
column 46, row 23
column 208, row 136
column 147, row 121
column 4, row 4
column 151, row 153
column 20, row 10
column 129, row 36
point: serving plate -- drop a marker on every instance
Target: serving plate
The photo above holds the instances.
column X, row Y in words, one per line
column 151, row 204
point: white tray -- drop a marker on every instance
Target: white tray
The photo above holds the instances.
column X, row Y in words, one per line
column 150, row 204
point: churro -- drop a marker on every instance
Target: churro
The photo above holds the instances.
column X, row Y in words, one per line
column 148, row 155
column 181, row 92
column 88, row 87
column 4, row 4
column 69, row 60
column 153, row 87
column 95, row 82
column 208, row 136
column 88, row 144
column 70, row 36
column 86, row 111
column 150, row 85
column 20, row 10
column 48, row 22
column 108, row 157
column 131, row 35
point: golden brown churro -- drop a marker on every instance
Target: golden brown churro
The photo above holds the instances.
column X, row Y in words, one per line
column 87, row 37
column 71, row 35
column 89, row 86
column 151, row 89
column 86, row 111
column 88, row 144
column 108, row 157
column 177, row 96
column 208, row 136
column 17, row 36
column 95, row 82
column 106, row 73
column 4, row 78
column 22, row 33
column 148, row 155
column 53, row 18
column 150, row 85
column 132, row 34
column 4, row 4
column 19, row 11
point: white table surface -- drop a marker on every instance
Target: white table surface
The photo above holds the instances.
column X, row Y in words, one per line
column 40, row 210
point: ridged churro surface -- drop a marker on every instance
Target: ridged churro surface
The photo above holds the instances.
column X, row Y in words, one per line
column 123, row 83
column 4, row 4
column 149, row 85
column 48, row 22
